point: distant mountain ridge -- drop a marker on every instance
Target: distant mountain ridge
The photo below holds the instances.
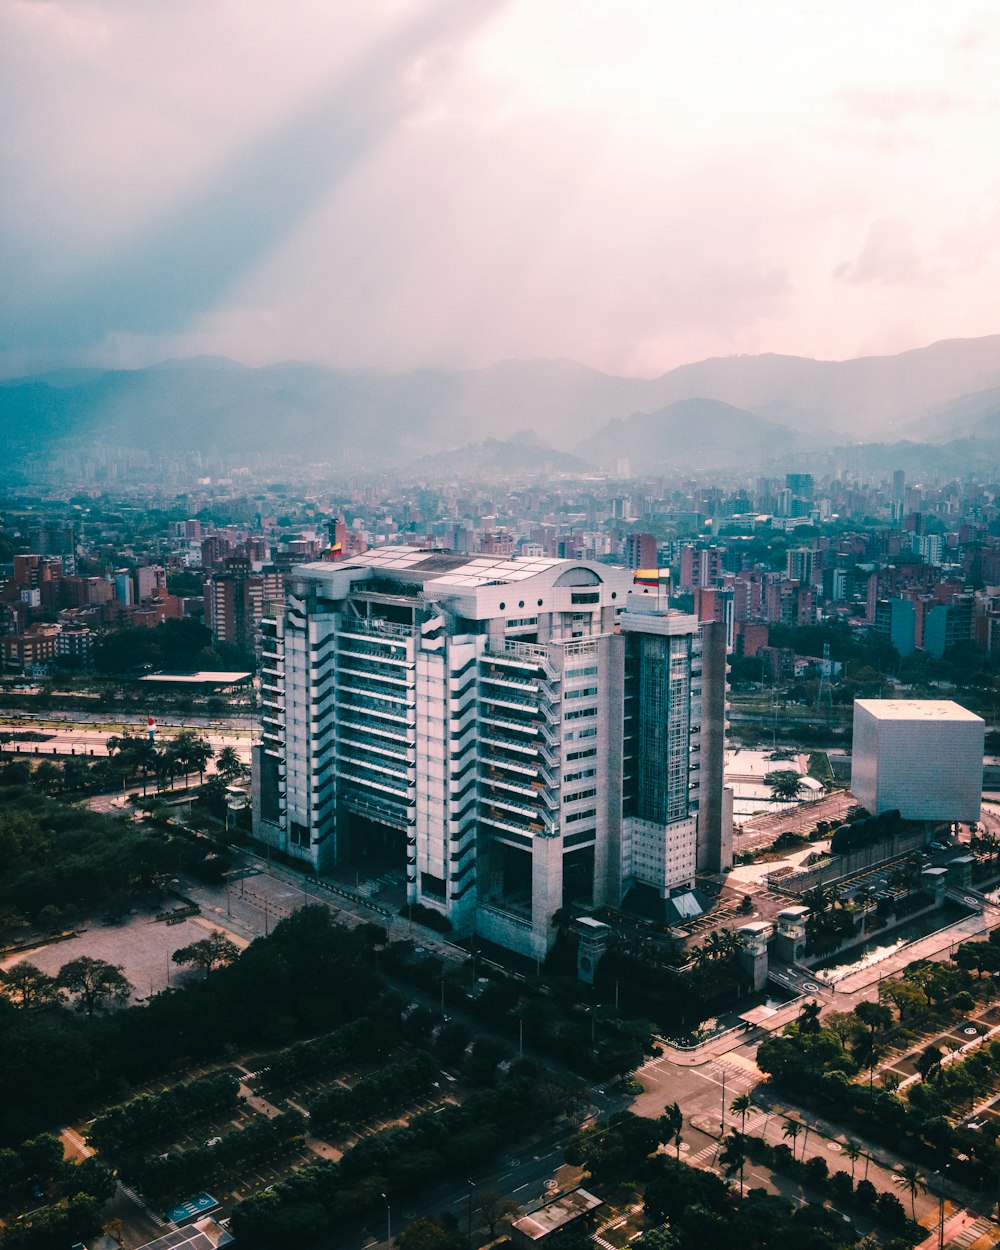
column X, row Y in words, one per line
column 366, row 418
column 697, row 433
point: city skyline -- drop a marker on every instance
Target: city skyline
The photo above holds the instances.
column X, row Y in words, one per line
column 452, row 185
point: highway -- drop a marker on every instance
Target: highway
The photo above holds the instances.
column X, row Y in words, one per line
column 90, row 740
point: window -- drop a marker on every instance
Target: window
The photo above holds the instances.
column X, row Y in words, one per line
column 585, row 596
column 590, row 671
column 585, row 692
column 584, row 815
column 579, row 794
column 581, row 712
column 579, row 776
column 582, row 755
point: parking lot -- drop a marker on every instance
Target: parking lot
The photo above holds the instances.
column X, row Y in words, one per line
column 142, row 946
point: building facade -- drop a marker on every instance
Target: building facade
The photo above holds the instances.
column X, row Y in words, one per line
column 521, row 734
column 921, row 757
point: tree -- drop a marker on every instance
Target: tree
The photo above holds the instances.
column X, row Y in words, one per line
column 734, row 1156
column 809, row 1017
column 911, row 1179
column 868, row 1052
column 211, row 952
column 28, row 986
column 742, row 1106
column 785, row 783
column 10, row 920
column 231, row 768
column 658, row 1239
column 93, row 1177
column 854, row 1153
column 671, row 1123
column 791, row 1130
column 876, row 1017
column 94, row 982
column 929, row 1062
column 431, row 1234
column 197, row 752
column 493, row 1208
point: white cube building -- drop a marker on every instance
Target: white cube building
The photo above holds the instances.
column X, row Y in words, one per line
column 923, row 757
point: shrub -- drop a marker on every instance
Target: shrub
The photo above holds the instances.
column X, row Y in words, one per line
column 890, row 1211
column 865, row 1194
column 816, row 1171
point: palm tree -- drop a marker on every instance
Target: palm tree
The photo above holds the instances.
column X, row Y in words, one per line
column 791, row 1130
column 868, row 1051
column 230, row 765
column 785, row 783
column 700, row 955
column 672, row 1122
column 200, row 752
column 734, row 1157
column 741, row 1106
column 912, row 1179
column 819, row 898
column 854, row 1153
column 809, row 1017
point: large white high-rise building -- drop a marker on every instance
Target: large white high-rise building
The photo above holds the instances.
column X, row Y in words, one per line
column 522, row 733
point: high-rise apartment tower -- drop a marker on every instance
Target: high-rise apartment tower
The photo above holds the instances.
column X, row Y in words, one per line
column 522, row 734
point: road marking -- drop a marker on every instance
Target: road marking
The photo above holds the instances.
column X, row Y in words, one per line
column 520, row 1187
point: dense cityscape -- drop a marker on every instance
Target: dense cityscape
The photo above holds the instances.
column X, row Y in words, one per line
column 632, row 888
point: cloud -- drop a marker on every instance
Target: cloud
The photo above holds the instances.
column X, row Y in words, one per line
column 888, row 256
column 894, row 106
column 184, row 261
column 408, row 183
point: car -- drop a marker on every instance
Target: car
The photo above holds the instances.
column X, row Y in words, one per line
column 37, row 1192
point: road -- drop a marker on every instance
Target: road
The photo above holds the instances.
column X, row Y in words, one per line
column 258, row 894
column 89, row 740
column 252, row 903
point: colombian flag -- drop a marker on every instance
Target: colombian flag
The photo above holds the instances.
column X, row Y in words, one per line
column 333, row 552
column 651, row 577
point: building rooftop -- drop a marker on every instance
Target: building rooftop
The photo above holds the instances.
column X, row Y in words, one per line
column 459, row 570
column 917, row 710
column 202, row 1235
column 205, row 678
column 539, row 1224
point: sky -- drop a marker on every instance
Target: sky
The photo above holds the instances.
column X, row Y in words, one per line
column 408, row 183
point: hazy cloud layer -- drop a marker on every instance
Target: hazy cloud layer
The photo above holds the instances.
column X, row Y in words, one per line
column 413, row 182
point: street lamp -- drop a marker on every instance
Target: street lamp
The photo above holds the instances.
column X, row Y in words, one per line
column 388, row 1220
column 940, row 1176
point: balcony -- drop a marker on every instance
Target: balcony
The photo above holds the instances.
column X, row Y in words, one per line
column 372, row 674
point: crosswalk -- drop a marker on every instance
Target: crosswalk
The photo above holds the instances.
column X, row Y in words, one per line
column 598, row 1237
column 743, row 1069
column 970, row 1233
column 703, row 1155
column 143, row 1206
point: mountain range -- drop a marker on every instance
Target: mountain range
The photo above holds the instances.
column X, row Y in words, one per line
column 720, row 412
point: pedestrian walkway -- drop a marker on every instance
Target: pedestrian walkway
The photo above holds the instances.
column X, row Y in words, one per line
column 970, row 1233
column 610, row 1225
column 158, row 1220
